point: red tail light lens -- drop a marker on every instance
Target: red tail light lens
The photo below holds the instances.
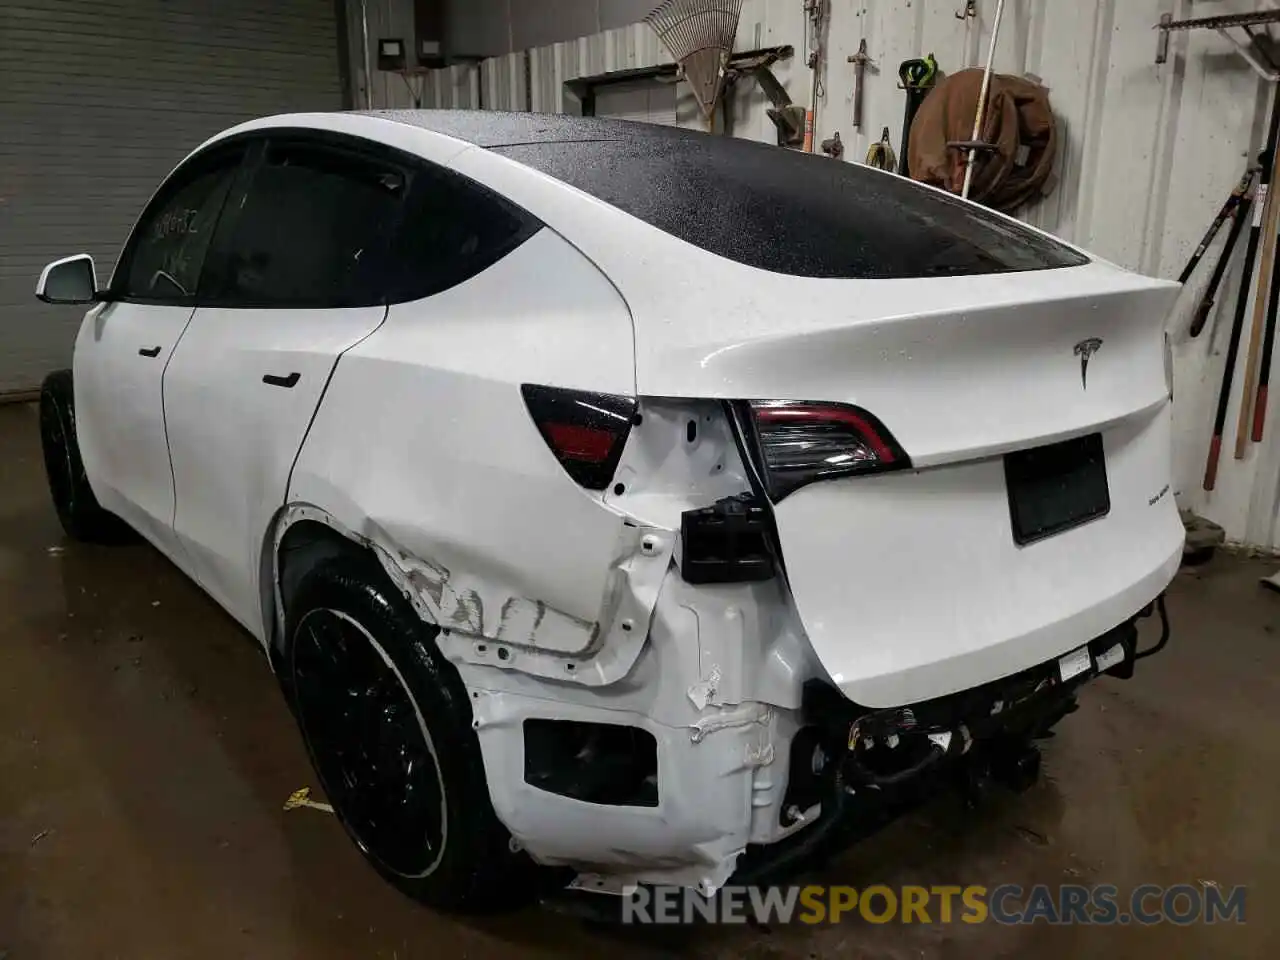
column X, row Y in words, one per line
column 586, row 431
column 797, row 443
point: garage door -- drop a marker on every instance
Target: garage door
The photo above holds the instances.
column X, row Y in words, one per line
column 98, row 100
column 645, row 100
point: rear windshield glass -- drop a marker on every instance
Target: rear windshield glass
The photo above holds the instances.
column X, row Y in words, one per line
column 790, row 212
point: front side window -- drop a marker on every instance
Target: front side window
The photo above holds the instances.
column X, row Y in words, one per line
column 312, row 230
column 164, row 257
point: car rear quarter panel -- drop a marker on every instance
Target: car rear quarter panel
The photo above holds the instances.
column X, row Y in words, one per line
column 423, row 446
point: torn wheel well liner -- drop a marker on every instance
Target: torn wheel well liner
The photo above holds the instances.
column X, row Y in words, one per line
column 306, row 544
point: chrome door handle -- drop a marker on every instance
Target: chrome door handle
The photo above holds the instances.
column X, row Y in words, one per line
column 150, row 351
column 287, row 382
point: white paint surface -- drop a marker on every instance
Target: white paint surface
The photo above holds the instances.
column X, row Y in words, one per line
column 1148, row 152
column 120, row 415
column 898, row 587
column 233, row 438
column 424, row 444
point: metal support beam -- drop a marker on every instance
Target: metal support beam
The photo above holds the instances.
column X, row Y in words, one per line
column 1245, row 22
column 1223, row 22
column 740, row 64
column 1248, row 49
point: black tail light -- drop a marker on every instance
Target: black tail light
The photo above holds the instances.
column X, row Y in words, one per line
column 794, row 443
column 586, row 431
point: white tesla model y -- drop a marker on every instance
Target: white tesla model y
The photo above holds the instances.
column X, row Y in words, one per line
column 654, row 506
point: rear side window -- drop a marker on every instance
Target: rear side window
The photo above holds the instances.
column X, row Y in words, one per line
column 793, row 213
column 453, row 229
column 166, row 252
column 313, row 230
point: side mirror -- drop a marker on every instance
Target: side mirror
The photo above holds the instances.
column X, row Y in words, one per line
column 69, row 280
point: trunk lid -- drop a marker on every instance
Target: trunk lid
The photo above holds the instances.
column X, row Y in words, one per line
column 955, row 368
column 912, row 585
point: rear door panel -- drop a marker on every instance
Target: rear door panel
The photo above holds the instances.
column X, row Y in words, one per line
column 294, row 280
column 233, row 437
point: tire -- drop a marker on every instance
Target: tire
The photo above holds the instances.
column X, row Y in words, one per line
column 78, row 509
column 388, row 725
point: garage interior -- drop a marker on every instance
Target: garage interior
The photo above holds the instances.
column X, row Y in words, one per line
column 146, row 757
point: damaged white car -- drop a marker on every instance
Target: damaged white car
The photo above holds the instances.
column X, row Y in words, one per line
column 619, row 504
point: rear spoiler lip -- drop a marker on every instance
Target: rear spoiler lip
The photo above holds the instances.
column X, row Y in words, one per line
column 698, row 356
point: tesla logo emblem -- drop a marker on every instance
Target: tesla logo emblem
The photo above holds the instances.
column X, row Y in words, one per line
column 1084, row 350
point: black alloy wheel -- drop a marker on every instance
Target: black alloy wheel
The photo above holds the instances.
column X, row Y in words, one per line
column 372, row 749
column 387, row 721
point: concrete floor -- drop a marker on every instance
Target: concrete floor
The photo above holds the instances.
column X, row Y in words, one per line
column 145, row 755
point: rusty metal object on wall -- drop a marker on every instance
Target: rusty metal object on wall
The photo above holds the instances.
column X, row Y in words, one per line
column 1015, row 149
column 788, row 117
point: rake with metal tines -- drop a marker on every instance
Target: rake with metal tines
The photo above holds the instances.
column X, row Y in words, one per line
column 699, row 34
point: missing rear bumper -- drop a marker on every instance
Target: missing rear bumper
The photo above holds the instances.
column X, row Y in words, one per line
column 856, row 769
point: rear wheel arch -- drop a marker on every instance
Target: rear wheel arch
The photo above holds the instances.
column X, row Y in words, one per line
column 317, row 566
column 301, row 537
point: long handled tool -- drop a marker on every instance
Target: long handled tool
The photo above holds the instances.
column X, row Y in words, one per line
column 1261, row 201
column 859, row 61
column 1264, row 374
column 1224, row 213
column 917, row 78
column 1240, row 217
column 1265, row 295
column 982, row 101
column 1266, row 360
column 699, row 36
column 815, row 12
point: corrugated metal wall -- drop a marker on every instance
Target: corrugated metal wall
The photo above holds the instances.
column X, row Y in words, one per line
column 99, row 99
column 1149, row 152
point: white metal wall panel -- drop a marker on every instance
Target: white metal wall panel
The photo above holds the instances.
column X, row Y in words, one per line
column 504, row 82
column 98, row 100
column 455, row 88
column 625, row 48
column 647, row 101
